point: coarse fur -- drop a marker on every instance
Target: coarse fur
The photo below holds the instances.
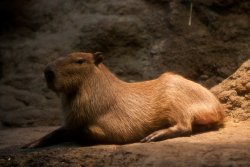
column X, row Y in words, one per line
column 101, row 108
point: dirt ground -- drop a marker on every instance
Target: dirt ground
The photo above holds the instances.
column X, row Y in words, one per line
column 230, row 146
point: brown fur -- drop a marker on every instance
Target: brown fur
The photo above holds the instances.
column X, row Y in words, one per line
column 102, row 108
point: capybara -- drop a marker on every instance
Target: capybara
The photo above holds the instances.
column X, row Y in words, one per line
column 100, row 108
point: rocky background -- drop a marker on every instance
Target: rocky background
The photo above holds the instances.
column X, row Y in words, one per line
column 234, row 92
column 140, row 40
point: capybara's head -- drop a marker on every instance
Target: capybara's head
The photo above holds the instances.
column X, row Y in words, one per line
column 66, row 74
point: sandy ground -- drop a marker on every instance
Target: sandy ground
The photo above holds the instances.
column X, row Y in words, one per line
column 229, row 146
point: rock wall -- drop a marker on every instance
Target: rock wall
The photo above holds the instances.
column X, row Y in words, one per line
column 139, row 38
column 234, row 92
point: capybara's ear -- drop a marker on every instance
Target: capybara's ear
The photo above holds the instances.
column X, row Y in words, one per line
column 98, row 57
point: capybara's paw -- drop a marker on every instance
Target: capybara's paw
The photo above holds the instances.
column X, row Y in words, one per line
column 156, row 136
column 33, row 144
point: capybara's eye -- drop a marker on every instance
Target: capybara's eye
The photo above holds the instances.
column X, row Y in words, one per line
column 80, row 61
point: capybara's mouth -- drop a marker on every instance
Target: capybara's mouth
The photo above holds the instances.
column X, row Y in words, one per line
column 50, row 78
column 51, row 86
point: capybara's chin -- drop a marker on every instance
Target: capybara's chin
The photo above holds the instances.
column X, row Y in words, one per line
column 57, row 88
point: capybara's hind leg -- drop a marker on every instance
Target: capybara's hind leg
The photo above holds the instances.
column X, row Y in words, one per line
column 171, row 132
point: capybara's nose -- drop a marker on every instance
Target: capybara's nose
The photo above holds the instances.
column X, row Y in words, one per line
column 49, row 75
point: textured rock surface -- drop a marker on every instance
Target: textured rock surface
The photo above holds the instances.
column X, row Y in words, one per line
column 140, row 39
column 234, row 92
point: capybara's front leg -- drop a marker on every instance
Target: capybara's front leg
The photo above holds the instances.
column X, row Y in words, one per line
column 57, row 136
column 171, row 132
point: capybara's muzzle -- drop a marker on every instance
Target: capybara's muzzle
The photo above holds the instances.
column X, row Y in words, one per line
column 50, row 77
